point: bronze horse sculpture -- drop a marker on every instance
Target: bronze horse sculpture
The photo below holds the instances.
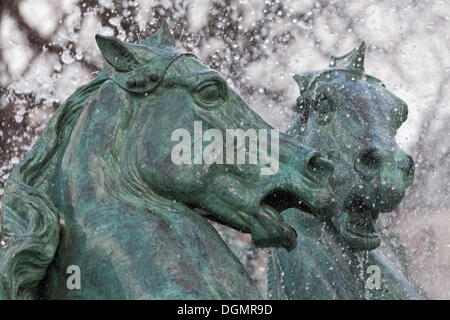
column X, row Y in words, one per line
column 99, row 190
column 353, row 118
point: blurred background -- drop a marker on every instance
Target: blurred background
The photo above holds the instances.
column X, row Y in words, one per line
column 47, row 50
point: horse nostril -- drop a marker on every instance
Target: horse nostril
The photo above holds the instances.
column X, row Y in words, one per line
column 371, row 158
column 368, row 162
column 406, row 165
column 318, row 166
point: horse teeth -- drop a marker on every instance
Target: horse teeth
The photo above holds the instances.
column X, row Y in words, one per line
column 141, row 83
column 153, row 77
column 131, row 83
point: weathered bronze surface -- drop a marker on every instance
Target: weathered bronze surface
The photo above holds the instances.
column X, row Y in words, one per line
column 99, row 190
column 353, row 118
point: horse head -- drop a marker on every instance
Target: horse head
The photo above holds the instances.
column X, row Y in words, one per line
column 353, row 118
column 172, row 95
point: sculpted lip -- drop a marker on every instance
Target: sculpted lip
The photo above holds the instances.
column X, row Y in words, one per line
column 270, row 205
column 281, row 199
column 287, row 238
column 286, row 194
column 360, row 232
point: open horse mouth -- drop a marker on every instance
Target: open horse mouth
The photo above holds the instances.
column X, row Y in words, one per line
column 281, row 200
column 357, row 226
column 266, row 224
column 360, row 236
column 275, row 231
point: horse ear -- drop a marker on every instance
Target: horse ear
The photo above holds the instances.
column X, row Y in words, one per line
column 357, row 58
column 162, row 38
column 117, row 53
column 303, row 81
column 302, row 104
column 353, row 60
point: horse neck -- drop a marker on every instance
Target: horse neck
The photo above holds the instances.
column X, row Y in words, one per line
column 83, row 174
column 93, row 174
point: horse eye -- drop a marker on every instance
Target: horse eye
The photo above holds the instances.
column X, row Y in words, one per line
column 210, row 92
column 322, row 104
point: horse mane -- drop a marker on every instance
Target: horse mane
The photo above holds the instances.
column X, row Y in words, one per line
column 30, row 222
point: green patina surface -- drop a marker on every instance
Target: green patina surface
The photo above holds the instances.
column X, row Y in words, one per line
column 99, row 190
column 353, row 118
